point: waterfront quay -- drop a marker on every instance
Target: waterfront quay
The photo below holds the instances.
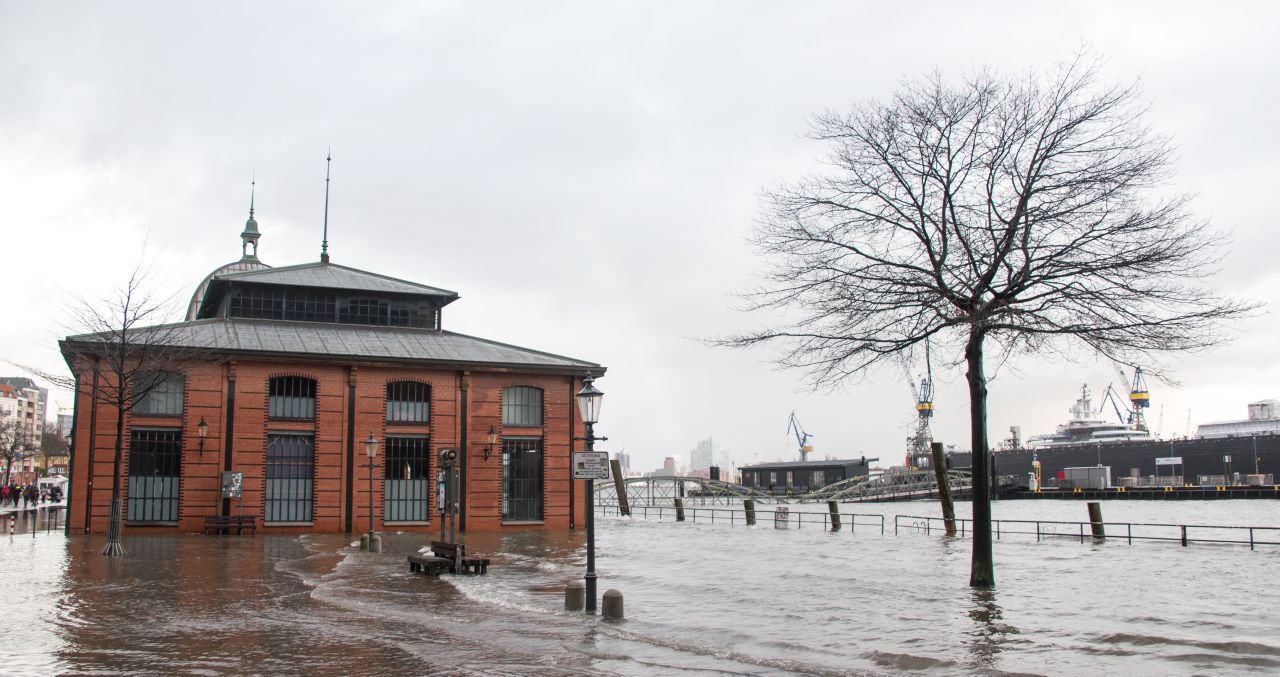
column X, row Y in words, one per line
column 1183, row 493
column 700, row 597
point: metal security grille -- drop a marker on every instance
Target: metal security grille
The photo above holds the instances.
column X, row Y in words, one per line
column 290, row 469
column 522, row 406
column 291, row 397
column 161, row 394
column 522, row 479
column 155, row 460
column 408, row 402
column 406, row 480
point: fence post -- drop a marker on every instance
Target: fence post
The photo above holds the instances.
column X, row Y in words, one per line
column 1184, row 535
column 750, row 506
column 835, row 515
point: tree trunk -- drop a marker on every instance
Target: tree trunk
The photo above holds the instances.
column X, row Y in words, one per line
column 982, row 570
column 114, row 545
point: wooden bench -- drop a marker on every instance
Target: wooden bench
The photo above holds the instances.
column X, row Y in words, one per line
column 225, row 524
column 450, row 557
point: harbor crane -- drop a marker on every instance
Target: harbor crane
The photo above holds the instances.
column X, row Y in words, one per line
column 1139, row 396
column 918, row 454
column 802, row 437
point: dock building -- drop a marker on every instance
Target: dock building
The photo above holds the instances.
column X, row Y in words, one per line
column 297, row 366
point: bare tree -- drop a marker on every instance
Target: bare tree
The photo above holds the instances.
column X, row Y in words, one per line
column 130, row 355
column 1023, row 214
column 14, row 445
column 52, row 445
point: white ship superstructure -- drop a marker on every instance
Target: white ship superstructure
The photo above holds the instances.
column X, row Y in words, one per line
column 1087, row 427
column 1264, row 419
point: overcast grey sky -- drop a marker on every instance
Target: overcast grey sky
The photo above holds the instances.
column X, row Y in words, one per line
column 584, row 174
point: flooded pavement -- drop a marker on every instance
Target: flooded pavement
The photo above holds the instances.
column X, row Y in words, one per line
column 700, row 598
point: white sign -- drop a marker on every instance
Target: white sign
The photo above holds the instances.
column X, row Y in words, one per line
column 1226, row 459
column 590, row 465
column 1169, row 460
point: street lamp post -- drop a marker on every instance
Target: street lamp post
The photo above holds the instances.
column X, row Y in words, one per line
column 589, row 406
column 371, row 450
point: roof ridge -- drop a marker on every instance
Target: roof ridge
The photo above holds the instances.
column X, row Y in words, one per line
column 315, row 264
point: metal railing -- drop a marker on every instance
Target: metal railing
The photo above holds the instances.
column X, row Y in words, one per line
column 1185, row 534
column 764, row 516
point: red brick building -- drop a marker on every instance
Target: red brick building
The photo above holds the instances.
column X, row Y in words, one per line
column 299, row 365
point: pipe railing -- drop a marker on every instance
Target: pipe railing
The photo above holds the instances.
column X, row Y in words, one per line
column 1185, row 534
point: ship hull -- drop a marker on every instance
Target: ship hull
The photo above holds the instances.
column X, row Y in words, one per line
column 1200, row 457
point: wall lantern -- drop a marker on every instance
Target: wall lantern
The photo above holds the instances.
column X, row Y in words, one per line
column 493, row 439
column 202, row 431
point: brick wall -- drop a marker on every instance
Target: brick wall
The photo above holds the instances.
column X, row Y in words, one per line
column 338, row 471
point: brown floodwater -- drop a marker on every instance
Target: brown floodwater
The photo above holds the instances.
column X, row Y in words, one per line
column 700, row 598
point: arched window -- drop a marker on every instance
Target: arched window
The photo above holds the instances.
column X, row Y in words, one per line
column 292, row 397
column 522, row 406
column 408, row 402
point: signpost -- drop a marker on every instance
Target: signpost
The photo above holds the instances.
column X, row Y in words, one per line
column 1168, row 460
column 590, row 465
column 233, row 487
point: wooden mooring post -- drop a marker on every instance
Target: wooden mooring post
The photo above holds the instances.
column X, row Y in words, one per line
column 834, row 509
column 1095, row 521
column 679, row 509
column 944, row 487
column 620, row 488
column 750, row 506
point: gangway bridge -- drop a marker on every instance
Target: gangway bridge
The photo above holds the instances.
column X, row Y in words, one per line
column 890, row 486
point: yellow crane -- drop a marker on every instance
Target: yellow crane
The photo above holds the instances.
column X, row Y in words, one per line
column 802, row 437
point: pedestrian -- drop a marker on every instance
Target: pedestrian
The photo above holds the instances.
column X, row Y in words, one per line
column 4, row 494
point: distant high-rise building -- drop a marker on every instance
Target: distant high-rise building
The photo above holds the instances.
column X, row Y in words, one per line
column 703, row 455
column 624, row 462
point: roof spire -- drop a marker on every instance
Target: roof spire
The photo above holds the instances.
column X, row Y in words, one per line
column 324, row 243
column 249, row 238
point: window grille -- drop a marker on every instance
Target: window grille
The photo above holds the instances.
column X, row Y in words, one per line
column 291, row 397
column 310, row 307
column 290, row 472
column 408, row 402
column 155, row 461
column 406, row 480
column 819, row 479
column 257, row 303
column 521, row 479
column 522, row 406
column 364, row 311
column 158, row 394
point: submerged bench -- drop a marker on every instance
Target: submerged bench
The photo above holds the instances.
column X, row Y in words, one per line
column 450, row 557
column 225, row 524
